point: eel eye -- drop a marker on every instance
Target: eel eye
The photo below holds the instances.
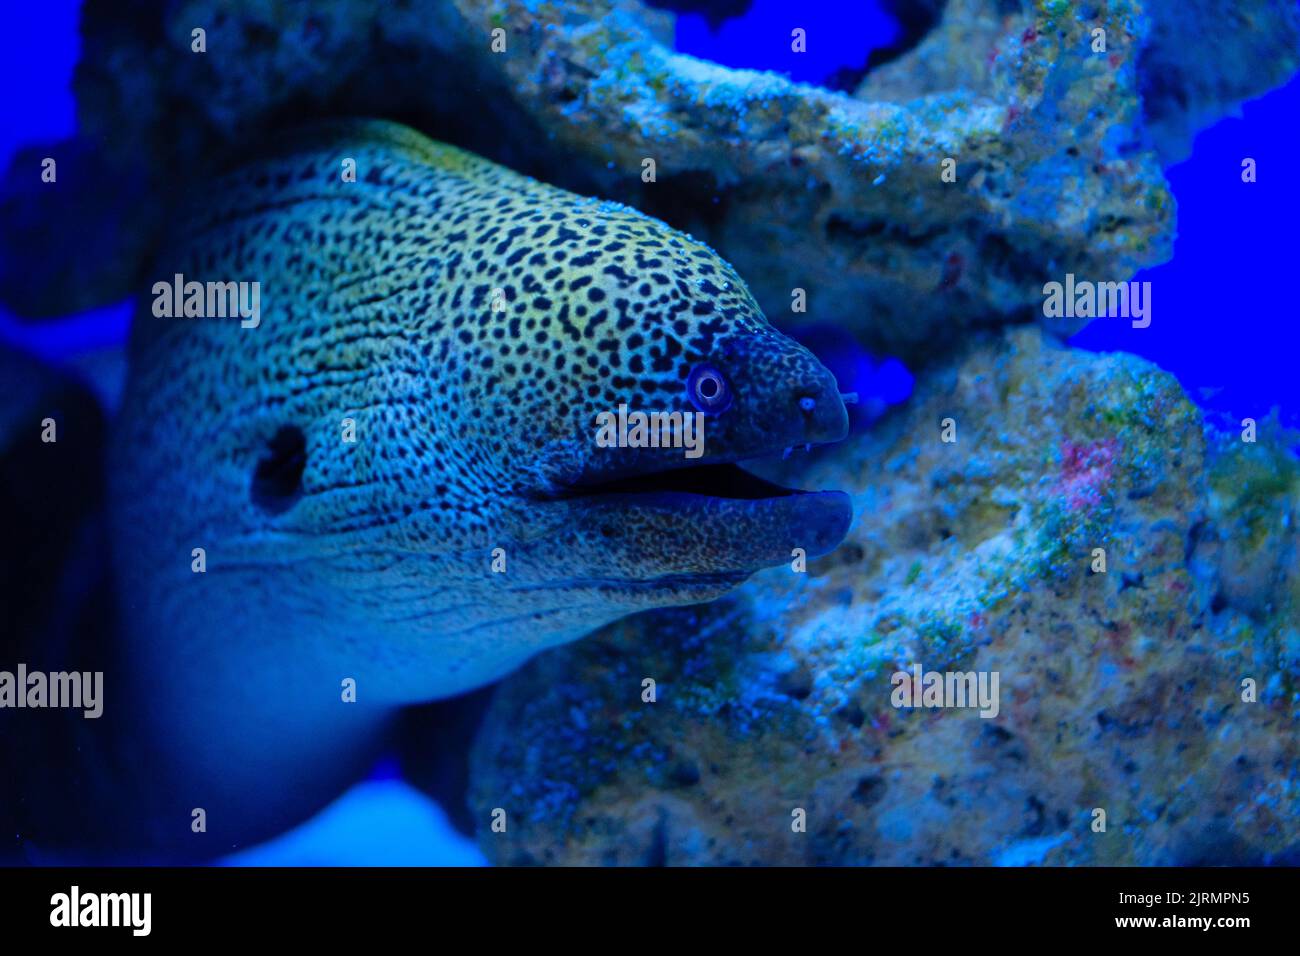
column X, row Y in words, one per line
column 708, row 390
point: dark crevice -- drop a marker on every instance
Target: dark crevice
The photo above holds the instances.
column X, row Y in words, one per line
column 841, row 229
column 657, row 852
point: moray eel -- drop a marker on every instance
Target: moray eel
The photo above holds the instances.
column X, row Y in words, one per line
column 392, row 481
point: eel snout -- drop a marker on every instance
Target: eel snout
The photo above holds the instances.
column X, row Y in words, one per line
column 656, row 512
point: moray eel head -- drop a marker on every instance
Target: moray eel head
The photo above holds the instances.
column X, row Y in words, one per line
column 424, row 459
column 676, row 378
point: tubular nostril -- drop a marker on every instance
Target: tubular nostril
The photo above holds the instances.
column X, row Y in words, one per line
column 825, row 418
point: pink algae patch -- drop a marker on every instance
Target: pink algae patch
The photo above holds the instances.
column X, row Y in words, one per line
column 1086, row 472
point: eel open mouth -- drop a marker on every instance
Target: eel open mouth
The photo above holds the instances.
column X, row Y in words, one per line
column 654, row 509
column 727, row 480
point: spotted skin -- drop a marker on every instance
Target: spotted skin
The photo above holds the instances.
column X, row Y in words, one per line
column 474, row 425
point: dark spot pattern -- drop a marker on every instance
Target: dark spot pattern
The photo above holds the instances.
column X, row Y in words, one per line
column 471, row 323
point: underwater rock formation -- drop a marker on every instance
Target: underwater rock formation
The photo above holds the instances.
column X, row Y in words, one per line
column 847, row 199
column 1197, row 60
column 799, row 187
column 1202, row 58
column 1120, row 690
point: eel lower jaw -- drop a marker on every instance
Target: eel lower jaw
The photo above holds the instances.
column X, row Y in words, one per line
column 729, row 519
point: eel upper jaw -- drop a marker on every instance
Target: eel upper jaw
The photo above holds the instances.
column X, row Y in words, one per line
column 609, row 471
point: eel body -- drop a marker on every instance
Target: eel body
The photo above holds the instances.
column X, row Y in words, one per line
column 389, row 485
